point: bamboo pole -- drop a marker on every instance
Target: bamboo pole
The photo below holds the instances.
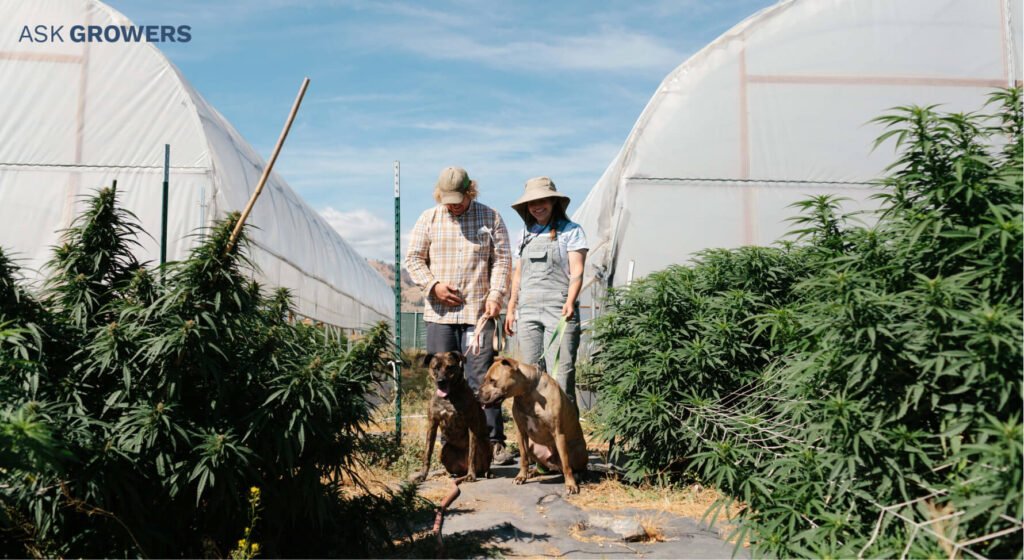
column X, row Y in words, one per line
column 163, row 208
column 270, row 165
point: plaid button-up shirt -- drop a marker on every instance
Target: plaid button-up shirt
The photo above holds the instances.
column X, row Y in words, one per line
column 469, row 252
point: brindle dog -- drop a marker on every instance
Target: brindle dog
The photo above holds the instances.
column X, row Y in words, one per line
column 466, row 449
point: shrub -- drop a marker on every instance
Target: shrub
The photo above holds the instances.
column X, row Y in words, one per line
column 140, row 407
column 860, row 391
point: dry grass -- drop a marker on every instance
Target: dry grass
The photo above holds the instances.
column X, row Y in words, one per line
column 612, row 494
column 578, row 532
column 652, row 527
column 650, row 523
column 550, row 551
column 435, row 494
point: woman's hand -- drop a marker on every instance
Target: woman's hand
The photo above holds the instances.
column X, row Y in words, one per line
column 510, row 321
column 568, row 308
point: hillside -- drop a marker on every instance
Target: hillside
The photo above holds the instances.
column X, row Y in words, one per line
column 412, row 295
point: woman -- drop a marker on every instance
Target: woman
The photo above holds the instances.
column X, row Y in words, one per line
column 546, row 281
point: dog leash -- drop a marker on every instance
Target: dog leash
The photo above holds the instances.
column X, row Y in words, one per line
column 559, row 332
column 474, row 344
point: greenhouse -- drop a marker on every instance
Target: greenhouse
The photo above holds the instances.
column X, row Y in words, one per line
column 777, row 109
column 85, row 114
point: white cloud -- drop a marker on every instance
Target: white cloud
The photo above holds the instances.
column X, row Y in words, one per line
column 501, row 165
column 505, row 131
column 366, row 98
column 607, row 49
column 515, row 36
column 201, row 11
column 346, row 175
column 493, row 149
column 328, row 177
column 369, row 234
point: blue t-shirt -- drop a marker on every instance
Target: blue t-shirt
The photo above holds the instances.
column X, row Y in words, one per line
column 570, row 238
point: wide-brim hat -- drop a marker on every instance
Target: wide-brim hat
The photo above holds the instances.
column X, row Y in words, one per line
column 536, row 189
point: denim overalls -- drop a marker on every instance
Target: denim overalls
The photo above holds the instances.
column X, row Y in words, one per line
column 543, row 289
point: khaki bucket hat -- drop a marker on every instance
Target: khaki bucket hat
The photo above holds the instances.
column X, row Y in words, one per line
column 536, row 189
column 452, row 185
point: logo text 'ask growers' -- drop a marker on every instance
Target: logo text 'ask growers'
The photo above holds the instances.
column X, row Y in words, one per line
column 106, row 34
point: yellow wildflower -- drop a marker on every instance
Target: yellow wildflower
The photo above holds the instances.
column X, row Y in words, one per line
column 255, row 547
column 241, row 543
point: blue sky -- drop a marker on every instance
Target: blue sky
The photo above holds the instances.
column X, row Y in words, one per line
column 509, row 91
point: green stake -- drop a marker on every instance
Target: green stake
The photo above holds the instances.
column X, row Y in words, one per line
column 398, row 308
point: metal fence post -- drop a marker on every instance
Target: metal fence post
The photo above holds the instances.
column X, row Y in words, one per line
column 398, row 306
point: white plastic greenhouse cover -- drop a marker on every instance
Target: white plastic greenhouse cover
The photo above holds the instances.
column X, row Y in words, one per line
column 776, row 110
column 76, row 116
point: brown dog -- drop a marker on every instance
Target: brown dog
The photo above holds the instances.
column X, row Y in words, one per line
column 466, row 449
column 547, row 422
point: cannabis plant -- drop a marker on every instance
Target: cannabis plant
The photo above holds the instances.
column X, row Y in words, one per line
column 141, row 406
column 859, row 390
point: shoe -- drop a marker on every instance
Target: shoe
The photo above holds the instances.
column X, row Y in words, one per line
column 499, row 455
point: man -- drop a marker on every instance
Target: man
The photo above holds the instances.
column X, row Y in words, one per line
column 459, row 253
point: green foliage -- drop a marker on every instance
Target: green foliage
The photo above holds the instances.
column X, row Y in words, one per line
column 680, row 337
column 399, row 460
column 859, row 391
column 139, row 408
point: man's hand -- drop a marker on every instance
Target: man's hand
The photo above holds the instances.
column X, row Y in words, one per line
column 567, row 309
column 492, row 309
column 448, row 295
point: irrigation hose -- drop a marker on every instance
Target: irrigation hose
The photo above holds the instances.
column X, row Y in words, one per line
column 439, row 516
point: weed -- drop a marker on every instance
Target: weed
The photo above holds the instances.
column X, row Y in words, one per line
column 137, row 408
column 859, row 367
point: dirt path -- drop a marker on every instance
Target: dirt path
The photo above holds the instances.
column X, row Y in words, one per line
column 494, row 518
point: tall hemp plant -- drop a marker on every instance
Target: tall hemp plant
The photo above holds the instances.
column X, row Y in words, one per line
column 859, row 390
column 141, row 409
